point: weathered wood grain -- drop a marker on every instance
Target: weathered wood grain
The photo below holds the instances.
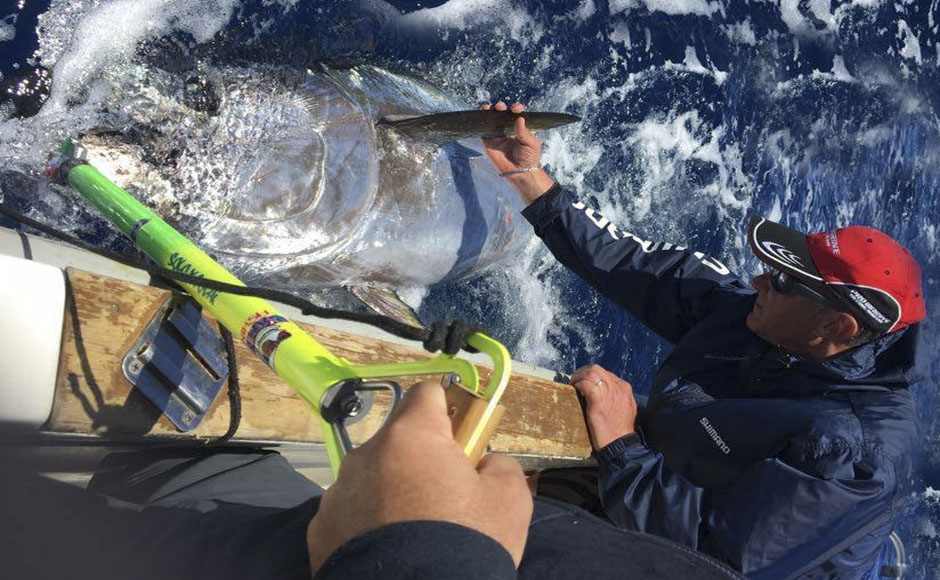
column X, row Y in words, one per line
column 105, row 316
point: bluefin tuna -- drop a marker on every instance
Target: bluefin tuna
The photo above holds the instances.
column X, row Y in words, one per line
column 356, row 177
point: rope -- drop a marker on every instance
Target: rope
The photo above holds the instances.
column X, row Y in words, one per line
column 234, row 390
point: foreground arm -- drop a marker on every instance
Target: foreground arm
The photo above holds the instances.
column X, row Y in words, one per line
column 409, row 501
column 640, row 493
column 636, row 488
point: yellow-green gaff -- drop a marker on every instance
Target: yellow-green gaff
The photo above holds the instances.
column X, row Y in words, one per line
column 302, row 362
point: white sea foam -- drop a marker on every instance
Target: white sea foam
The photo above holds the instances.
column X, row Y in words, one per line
column 539, row 306
column 791, row 15
column 665, row 147
column 741, row 32
column 111, row 32
column 571, row 159
column 571, row 153
column 927, row 529
column 911, row 46
column 459, row 14
column 620, row 33
column 671, row 7
column 819, row 20
column 585, row 10
column 821, row 10
column 930, row 233
column 662, row 141
column 8, row 27
column 875, row 136
column 466, row 14
column 838, row 73
column 867, row 4
column 692, row 64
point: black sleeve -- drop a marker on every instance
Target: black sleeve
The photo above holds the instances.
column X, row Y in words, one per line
column 415, row 550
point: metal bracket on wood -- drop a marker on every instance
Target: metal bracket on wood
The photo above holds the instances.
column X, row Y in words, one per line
column 178, row 362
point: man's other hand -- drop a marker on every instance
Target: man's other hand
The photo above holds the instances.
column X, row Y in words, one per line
column 611, row 408
column 412, row 469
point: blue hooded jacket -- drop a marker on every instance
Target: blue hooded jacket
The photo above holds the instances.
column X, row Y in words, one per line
column 782, row 466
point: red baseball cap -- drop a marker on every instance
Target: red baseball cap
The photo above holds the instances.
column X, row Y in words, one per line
column 874, row 276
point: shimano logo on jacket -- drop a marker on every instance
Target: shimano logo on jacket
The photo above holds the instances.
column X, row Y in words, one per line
column 713, row 433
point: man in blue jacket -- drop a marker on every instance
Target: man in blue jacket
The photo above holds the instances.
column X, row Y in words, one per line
column 780, row 433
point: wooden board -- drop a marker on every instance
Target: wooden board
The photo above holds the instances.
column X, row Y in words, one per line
column 105, row 316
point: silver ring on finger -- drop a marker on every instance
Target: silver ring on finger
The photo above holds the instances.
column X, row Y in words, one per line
column 599, row 382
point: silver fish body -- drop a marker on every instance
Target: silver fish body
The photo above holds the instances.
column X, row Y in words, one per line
column 292, row 181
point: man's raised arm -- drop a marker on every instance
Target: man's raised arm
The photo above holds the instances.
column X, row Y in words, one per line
column 668, row 287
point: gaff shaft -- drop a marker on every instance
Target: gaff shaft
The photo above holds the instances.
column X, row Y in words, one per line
column 294, row 355
column 303, row 363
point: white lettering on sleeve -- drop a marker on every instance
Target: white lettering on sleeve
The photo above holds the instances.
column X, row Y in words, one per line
column 712, row 263
column 600, row 221
column 646, row 245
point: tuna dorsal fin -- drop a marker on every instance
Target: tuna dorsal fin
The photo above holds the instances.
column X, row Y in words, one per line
column 387, row 303
column 451, row 126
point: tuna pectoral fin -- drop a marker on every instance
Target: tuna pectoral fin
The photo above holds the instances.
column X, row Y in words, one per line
column 447, row 127
column 386, row 303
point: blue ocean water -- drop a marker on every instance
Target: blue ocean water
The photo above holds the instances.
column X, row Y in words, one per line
column 696, row 114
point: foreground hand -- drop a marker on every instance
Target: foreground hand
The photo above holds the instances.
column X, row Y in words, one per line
column 520, row 151
column 611, row 408
column 412, row 469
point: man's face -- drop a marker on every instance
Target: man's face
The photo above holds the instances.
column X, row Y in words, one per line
column 787, row 320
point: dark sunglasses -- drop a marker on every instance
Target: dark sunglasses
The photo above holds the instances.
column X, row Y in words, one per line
column 787, row 284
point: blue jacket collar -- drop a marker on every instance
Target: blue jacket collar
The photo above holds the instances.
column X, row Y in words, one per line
column 893, row 361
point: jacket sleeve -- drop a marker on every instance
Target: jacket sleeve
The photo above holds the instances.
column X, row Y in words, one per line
column 422, row 549
column 640, row 493
column 668, row 287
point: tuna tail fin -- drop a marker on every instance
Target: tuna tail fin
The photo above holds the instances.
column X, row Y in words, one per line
column 387, row 303
column 446, row 127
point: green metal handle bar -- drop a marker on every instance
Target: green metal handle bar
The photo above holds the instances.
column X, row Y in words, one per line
column 302, row 362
